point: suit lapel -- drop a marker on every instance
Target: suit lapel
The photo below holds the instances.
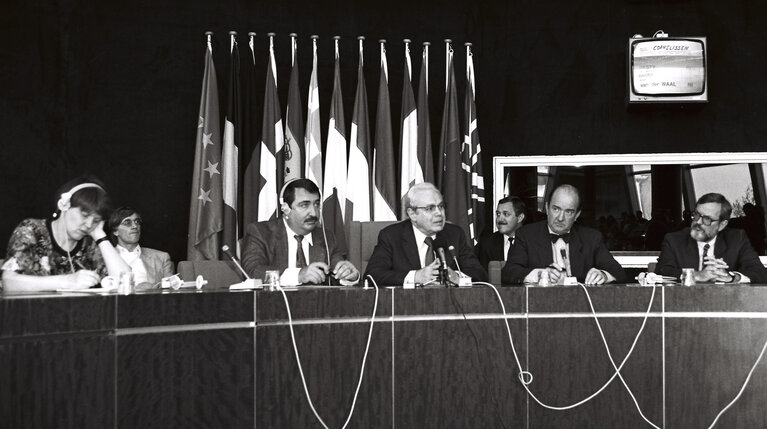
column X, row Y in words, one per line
column 317, row 252
column 410, row 246
column 577, row 259
column 543, row 245
column 691, row 256
column 279, row 243
column 721, row 246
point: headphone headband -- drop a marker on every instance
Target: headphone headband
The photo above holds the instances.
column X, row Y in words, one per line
column 65, row 198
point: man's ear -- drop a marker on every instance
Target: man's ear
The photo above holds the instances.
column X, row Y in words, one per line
column 723, row 224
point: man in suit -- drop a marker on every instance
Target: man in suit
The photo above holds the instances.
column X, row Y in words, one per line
column 294, row 244
column 149, row 266
column 509, row 217
column 560, row 247
column 407, row 251
column 717, row 253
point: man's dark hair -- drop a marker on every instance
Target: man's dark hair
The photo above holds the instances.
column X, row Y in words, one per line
column 516, row 202
column 116, row 219
column 713, row 197
column 289, row 195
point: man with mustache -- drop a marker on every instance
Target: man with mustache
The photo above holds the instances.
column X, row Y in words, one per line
column 294, row 244
column 509, row 217
column 716, row 253
column 149, row 266
column 559, row 247
column 407, row 252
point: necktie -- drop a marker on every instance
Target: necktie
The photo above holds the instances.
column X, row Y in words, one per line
column 300, row 257
column 705, row 253
column 555, row 237
column 430, row 251
column 509, row 240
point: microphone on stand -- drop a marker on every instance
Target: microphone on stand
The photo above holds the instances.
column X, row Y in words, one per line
column 249, row 283
column 443, row 277
column 451, row 249
column 463, row 279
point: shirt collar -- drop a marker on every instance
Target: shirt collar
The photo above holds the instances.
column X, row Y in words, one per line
column 136, row 251
column 291, row 233
column 420, row 236
column 703, row 243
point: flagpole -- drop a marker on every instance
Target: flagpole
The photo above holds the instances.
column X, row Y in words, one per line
column 361, row 39
column 469, row 66
column 271, row 56
column 209, row 36
column 293, row 42
column 407, row 59
column 448, row 52
column 252, row 44
column 384, row 61
column 425, row 59
column 232, row 40
column 335, row 45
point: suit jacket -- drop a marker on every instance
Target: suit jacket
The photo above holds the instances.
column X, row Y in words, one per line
column 396, row 254
column 157, row 264
column 490, row 248
column 265, row 247
column 532, row 249
column 679, row 251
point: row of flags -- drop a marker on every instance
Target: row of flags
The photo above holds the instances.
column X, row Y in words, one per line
column 238, row 175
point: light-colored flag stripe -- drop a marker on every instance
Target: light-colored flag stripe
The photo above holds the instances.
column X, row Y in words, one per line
column 313, row 137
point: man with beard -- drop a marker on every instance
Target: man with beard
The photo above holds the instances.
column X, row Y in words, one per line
column 560, row 247
column 716, row 253
column 509, row 217
column 149, row 266
column 408, row 251
column 295, row 244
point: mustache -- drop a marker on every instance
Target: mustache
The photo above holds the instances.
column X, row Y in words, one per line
column 312, row 219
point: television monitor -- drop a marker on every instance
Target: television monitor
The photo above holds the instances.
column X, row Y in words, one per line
column 667, row 70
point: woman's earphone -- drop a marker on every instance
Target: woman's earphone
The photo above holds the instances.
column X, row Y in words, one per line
column 65, row 199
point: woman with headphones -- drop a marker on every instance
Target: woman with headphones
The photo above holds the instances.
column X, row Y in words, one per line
column 69, row 251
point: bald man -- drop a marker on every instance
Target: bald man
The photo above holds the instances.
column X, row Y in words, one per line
column 560, row 247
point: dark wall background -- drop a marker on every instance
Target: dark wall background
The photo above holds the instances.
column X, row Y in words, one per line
column 113, row 88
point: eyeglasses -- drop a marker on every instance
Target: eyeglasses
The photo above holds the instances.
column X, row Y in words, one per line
column 130, row 222
column 431, row 208
column 705, row 220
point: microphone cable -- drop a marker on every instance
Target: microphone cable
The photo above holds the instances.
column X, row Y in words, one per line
column 298, row 359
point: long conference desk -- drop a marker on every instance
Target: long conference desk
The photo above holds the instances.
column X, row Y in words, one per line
column 438, row 358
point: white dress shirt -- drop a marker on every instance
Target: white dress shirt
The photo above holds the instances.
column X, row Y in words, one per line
column 133, row 259
column 289, row 277
column 712, row 243
column 422, row 249
column 560, row 252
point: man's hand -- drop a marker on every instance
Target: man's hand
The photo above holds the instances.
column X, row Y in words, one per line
column 713, row 270
column 555, row 274
column 316, row 273
column 595, row 277
column 345, row 270
column 427, row 273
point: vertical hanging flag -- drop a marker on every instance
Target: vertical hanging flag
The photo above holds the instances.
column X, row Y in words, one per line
column 272, row 143
column 230, row 153
column 471, row 145
column 358, row 176
column 251, row 140
column 411, row 171
column 313, row 138
column 425, row 155
column 334, row 191
column 294, row 121
column 205, row 209
column 385, row 189
column 454, row 183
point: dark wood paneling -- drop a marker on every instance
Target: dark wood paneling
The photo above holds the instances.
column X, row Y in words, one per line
column 183, row 307
column 608, row 298
column 32, row 316
column 316, row 302
column 201, row 379
column 331, row 357
column 707, row 361
column 440, row 300
column 57, row 382
column 716, row 298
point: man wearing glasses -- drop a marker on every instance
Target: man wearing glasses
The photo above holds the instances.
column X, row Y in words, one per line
column 716, row 253
column 560, row 248
column 408, row 252
column 149, row 266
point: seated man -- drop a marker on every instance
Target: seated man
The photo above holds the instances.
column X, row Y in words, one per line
column 149, row 265
column 561, row 248
column 717, row 253
column 509, row 217
column 294, row 244
column 405, row 252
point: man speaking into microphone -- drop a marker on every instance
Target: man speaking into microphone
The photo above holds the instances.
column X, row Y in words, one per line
column 560, row 247
column 294, row 243
column 408, row 251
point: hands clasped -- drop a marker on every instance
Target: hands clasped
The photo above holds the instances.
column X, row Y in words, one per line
column 317, row 272
column 714, row 270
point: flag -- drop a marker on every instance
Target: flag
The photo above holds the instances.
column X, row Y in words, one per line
column 230, row 162
column 294, row 121
column 358, row 176
column 272, row 143
column 411, row 171
column 385, row 189
column 425, row 155
column 313, row 138
column 454, row 183
column 472, row 147
column 251, row 141
column 205, row 209
column 334, row 191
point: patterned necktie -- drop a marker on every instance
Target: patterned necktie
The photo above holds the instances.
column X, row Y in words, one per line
column 300, row 257
column 705, row 253
column 430, row 251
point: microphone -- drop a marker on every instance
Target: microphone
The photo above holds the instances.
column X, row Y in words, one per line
column 463, row 279
column 451, row 249
column 249, row 282
column 234, row 259
column 443, row 278
column 563, row 252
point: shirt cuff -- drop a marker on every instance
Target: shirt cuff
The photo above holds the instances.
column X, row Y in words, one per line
column 410, row 277
column 743, row 278
column 289, row 277
column 609, row 276
column 350, row 282
column 533, row 276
